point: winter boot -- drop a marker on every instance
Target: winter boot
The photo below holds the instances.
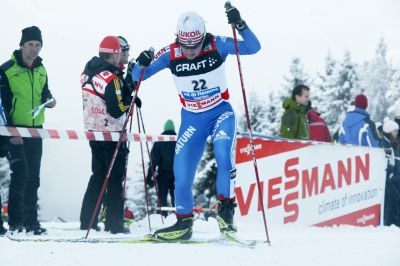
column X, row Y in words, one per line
column 226, row 210
column 120, row 230
column 3, row 231
column 181, row 230
column 15, row 229
column 94, row 226
column 35, row 229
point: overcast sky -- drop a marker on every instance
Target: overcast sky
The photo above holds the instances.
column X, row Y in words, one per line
column 72, row 31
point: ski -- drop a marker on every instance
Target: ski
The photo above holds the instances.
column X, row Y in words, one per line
column 224, row 239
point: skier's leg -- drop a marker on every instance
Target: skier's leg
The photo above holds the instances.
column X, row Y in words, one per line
column 224, row 141
column 189, row 148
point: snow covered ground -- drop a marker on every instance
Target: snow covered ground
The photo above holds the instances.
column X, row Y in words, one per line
column 291, row 245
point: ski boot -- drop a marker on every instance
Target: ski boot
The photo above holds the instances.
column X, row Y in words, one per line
column 15, row 229
column 181, row 230
column 3, row 231
column 35, row 229
column 225, row 216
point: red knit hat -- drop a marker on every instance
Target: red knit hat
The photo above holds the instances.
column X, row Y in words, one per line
column 361, row 101
column 110, row 45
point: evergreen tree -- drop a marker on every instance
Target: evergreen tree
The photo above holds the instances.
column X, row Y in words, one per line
column 376, row 82
column 340, row 88
column 325, row 97
column 257, row 114
column 393, row 94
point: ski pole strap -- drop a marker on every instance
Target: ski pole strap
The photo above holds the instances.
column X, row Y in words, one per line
column 80, row 135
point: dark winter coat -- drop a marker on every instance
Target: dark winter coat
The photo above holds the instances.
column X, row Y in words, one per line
column 162, row 158
column 358, row 129
column 392, row 191
column 318, row 129
column 294, row 123
column 115, row 105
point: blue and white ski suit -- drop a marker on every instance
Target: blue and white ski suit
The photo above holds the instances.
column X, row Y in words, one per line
column 203, row 92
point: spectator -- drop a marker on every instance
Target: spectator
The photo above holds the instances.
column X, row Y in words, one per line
column 129, row 85
column 162, row 159
column 318, row 129
column 392, row 192
column 25, row 82
column 294, row 122
column 103, row 89
column 357, row 128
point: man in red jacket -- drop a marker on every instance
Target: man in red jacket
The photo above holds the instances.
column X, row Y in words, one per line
column 318, row 129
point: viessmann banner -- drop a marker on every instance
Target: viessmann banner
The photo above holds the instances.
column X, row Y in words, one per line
column 310, row 183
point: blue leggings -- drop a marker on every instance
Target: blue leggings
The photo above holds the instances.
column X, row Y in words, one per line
column 220, row 124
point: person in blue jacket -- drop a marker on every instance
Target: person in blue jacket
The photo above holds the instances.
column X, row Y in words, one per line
column 357, row 127
column 197, row 62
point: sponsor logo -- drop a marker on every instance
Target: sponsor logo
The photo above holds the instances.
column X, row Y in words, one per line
column 199, row 95
column 365, row 218
column 221, row 135
column 180, row 143
column 212, row 61
column 299, row 184
column 159, row 53
column 177, row 52
column 98, row 111
column 247, row 149
column 221, row 118
column 189, row 34
column 191, row 66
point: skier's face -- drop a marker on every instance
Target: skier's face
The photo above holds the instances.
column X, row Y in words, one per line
column 30, row 50
column 192, row 53
column 304, row 98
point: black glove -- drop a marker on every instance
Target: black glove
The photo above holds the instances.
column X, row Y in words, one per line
column 149, row 181
column 131, row 65
column 138, row 102
column 234, row 18
column 145, row 58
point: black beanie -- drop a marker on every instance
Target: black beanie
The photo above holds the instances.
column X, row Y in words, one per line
column 31, row 34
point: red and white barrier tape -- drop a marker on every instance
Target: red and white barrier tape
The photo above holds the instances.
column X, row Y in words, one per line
column 80, row 135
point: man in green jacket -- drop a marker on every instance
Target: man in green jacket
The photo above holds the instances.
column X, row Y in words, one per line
column 24, row 86
column 294, row 124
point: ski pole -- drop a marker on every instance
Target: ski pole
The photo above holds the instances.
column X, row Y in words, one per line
column 126, row 164
column 151, row 167
column 253, row 154
column 144, row 175
column 122, row 137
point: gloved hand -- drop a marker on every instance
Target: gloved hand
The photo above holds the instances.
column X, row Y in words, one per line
column 138, row 102
column 149, row 181
column 234, row 17
column 131, row 64
column 145, row 58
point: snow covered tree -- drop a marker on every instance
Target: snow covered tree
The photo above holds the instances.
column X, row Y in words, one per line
column 393, row 94
column 258, row 115
column 325, row 95
column 376, row 81
column 339, row 86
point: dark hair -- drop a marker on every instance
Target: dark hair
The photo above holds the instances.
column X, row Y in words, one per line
column 298, row 90
column 105, row 56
